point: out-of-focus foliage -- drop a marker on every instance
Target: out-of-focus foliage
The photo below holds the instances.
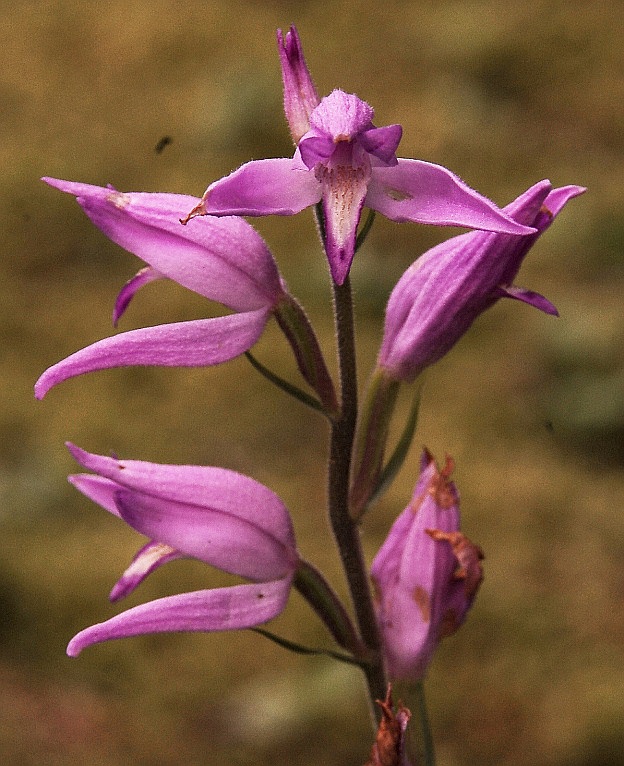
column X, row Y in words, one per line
column 531, row 407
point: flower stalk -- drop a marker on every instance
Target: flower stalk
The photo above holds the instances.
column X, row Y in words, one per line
column 346, row 531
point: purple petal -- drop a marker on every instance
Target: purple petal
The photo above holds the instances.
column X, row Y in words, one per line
column 557, row 198
column 342, row 116
column 262, row 187
column 97, row 488
column 199, row 343
column 127, row 292
column 147, row 560
column 382, row 143
column 343, row 198
column 300, row 96
column 530, row 297
column 540, row 204
column 425, row 193
column 537, row 206
column 387, row 559
column 315, row 148
column 217, row 489
column 240, row 546
column 224, row 260
column 528, row 208
column 234, row 608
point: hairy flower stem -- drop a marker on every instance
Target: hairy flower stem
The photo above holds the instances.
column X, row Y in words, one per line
column 345, row 530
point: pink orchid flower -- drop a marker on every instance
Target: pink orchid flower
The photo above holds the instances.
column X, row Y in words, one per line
column 212, row 514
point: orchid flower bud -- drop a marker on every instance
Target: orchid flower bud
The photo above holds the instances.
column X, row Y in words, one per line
column 444, row 291
column 425, row 575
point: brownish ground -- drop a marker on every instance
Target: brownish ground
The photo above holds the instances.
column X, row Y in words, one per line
column 531, row 407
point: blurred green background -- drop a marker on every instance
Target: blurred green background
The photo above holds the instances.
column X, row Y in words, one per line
column 531, row 407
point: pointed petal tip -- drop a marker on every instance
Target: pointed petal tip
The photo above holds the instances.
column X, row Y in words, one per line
column 196, row 343
column 558, row 198
column 282, row 36
column 232, row 608
column 338, row 273
column 117, row 593
column 77, row 643
column 122, row 588
column 77, row 453
column 73, row 478
column 143, row 277
column 57, row 183
column 50, row 378
column 543, row 184
column 72, row 651
column 425, row 458
column 73, row 187
column 149, row 558
column 42, row 386
column 340, row 260
column 552, row 199
column 571, row 190
column 530, row 297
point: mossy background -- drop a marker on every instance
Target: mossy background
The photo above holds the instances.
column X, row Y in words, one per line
column 531, row 407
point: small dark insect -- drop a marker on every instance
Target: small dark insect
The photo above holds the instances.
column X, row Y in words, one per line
column 164, row 141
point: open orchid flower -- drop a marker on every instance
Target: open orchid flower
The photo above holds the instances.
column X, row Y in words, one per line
column 343, row 161
column 223, row 259
column 426, row 575
column 444, row 291
column 212, row 514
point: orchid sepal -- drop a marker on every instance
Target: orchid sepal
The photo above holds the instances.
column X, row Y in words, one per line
column 143, row 277
column 223, row 259
column 197, row 343
column 300, row 96
column 232, row 608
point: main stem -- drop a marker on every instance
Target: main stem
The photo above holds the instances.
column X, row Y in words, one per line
column 345, row 530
